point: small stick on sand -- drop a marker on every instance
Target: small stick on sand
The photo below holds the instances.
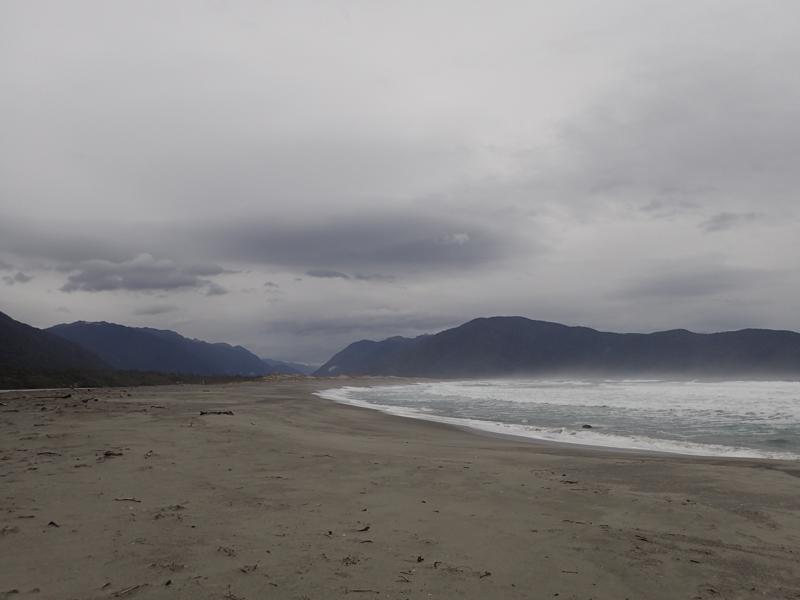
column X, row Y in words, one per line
column 128, row 590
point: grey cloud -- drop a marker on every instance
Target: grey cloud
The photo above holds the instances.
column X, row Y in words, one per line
column 273, row 291
column 18, row 277
column 689, row 281
column 330, row 274
column 719, row 134
column 205, row 270
column 384, row 240
column 155, row 309
column 572, row 149
column 378, row 240
column 728, row 220
column 666, row 206
column 376, row 277
column 326, row 274
column 214, row 289
column 56, row 240
column 141, row 273
column 4, row 266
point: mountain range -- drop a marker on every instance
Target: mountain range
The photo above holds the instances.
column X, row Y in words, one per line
column 26, row 347
column 485, row 347
column 147, row 349
column 516, row 346
column 100, row 352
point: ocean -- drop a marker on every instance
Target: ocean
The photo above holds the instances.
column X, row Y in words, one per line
column 753, row 419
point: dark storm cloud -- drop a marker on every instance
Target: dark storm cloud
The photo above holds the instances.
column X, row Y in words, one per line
column 155, row 309
column 18, row 277
column 361, row 243
column 727, row 220
column 384, row 240
column 141, row 273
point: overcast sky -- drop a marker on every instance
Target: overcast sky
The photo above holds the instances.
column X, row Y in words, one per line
column 294, row 176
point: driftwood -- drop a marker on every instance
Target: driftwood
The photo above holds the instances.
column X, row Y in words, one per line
column 129, row 590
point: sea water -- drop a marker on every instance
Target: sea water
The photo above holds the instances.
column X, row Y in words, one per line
column 756, row 419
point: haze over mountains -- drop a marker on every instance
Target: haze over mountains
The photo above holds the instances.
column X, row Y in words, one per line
column 485, row 347
column 516, row 346
column 282, row 367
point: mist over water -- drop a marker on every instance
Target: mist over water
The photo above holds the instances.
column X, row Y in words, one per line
column 759, row 419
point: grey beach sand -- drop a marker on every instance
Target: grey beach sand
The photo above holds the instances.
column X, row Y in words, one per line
column 134, row 494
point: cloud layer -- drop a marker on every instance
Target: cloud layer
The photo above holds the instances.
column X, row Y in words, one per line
column 18, row 277
column 143, row 273
column 632, row 168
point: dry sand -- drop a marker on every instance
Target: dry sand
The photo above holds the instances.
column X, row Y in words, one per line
column 138, row 496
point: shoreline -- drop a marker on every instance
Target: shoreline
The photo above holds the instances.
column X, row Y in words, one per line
column 477, row 426
column 560, row 448
column 293, row 496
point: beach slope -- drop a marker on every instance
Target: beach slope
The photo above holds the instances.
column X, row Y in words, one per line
column 136, row 494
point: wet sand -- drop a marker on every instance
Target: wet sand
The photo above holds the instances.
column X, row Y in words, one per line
column 134, row 494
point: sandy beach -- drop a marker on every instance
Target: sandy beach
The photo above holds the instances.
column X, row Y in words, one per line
column 136, row 494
